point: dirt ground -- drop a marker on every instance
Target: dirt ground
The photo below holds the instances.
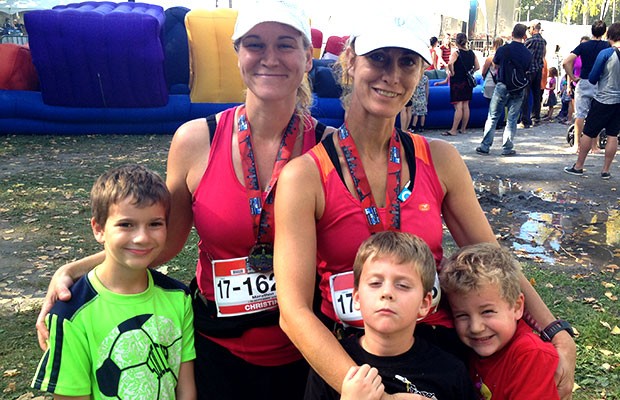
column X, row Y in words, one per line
column 537, row 208
column 542, row 153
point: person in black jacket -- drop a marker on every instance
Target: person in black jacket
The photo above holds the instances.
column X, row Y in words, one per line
column 511, row 58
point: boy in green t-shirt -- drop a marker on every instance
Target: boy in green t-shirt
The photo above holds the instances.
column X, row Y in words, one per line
column 127, row 331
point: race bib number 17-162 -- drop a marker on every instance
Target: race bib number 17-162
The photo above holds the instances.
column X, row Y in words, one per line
column 239, row 290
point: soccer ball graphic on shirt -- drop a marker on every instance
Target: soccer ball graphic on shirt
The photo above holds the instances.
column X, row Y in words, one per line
column 140, row 358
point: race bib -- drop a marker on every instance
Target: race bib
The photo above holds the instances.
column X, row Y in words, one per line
column 240, row 290
column 436, row 291
column 341, row 287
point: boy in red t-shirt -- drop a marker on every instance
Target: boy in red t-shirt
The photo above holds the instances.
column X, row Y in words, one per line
column 508, row 360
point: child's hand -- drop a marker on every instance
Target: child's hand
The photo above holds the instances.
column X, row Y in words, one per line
column 362, row 383
column 58, row 290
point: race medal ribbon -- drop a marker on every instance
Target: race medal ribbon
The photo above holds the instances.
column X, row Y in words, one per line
column 362, row 186
column 261, row 203
column 341, row 287
column 240, row 290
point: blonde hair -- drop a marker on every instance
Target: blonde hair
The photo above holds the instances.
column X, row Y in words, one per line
column 477, row 265
column 304, row 97
column 498, row 42
column 134, row 181
column 401, row 248
column 341, row 71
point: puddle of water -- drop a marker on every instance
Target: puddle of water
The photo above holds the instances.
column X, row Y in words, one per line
column 499, row 187
column 590, row 238
column 538, row 234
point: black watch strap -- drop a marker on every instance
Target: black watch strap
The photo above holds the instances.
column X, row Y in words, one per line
column 554, row 328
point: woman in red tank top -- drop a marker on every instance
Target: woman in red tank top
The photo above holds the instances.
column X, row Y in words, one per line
column 380, row 66
column 241, row 354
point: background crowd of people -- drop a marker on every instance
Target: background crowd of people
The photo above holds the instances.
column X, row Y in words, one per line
column 573, row 92
column 12, row 27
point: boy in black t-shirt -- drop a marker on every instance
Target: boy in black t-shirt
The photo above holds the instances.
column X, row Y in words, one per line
column 394, row 274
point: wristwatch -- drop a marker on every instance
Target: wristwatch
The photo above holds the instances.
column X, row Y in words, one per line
column 554, row 328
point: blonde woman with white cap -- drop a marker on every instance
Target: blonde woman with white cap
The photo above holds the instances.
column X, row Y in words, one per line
column 369, row 177
column 224, row 186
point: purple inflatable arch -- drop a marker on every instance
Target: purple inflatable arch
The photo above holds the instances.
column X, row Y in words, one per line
column 99, row 54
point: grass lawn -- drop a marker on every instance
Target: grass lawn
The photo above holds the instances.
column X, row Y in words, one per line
column 44, row 214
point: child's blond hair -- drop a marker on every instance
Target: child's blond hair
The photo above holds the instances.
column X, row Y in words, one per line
column 477, row 265
column 401, row 248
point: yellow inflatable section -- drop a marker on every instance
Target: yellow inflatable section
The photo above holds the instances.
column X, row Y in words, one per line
column 214, row 74
column 316, row 53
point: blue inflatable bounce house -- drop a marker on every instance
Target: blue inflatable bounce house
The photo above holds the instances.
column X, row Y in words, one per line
column 133, row 68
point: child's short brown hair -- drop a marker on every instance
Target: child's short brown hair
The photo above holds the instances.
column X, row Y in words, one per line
column 402, row 248
column 480, row 264
column 134, row 181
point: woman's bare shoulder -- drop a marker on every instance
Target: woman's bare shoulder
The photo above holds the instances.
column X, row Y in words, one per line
column 447, row 161
column 194, row 131
column 300, row 187
column 190, row 145
column 440, row 147
column 300, row 168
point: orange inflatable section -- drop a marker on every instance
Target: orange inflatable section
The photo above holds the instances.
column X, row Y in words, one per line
column 214, row 74
column 17, row 71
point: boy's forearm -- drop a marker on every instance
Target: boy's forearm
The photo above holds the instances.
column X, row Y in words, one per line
column 186, row 386
column 534, row 304
column 78, row 268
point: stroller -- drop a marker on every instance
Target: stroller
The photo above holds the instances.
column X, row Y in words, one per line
column 570, row 137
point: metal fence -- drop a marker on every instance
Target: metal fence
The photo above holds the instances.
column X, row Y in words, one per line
column 22, row 39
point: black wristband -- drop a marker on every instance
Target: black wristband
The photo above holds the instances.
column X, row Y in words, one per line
column 554, row 328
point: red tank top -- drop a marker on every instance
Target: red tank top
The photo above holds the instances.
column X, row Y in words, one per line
column 224, row 224
column 343, row 218
column 445, row 53
column 433, row 59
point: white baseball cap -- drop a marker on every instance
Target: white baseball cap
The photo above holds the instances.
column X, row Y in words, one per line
column 411, row 33
column 288, row 12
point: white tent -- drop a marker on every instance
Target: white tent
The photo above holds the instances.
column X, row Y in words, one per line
column 16, row 6
column 191, row 4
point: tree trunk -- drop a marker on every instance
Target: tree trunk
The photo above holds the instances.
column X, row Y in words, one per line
column 604, row 8
column 585, row 13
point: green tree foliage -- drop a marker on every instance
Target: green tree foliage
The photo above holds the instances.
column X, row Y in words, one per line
column 571, row 11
